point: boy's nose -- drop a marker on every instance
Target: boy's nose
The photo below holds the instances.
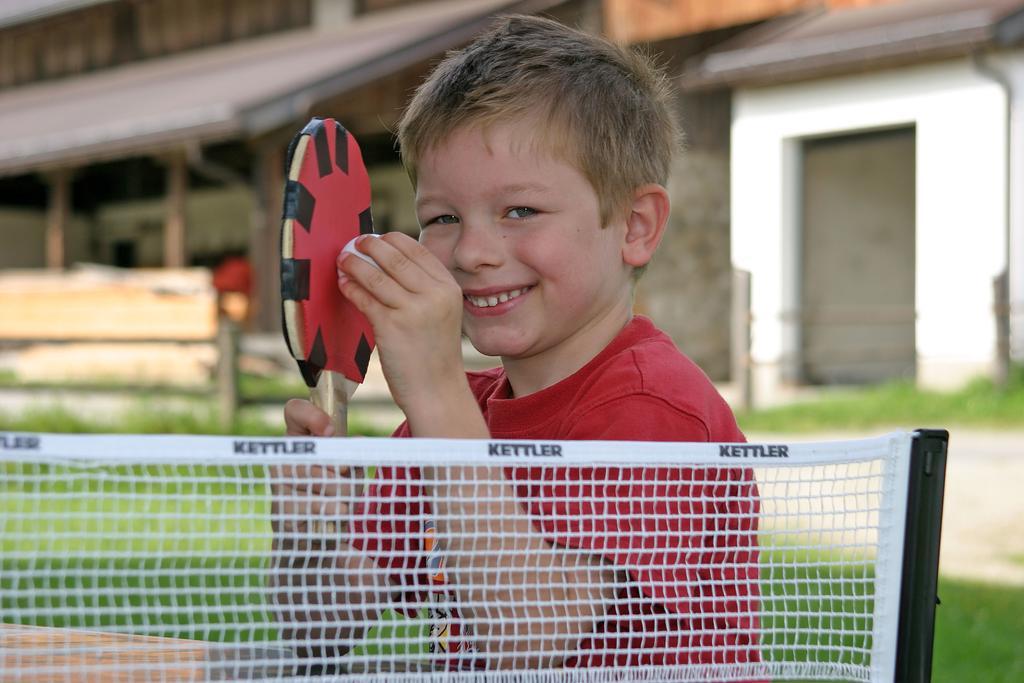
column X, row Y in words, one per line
column 479, row 246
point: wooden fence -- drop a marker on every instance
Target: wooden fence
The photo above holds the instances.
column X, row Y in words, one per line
column 95, row 325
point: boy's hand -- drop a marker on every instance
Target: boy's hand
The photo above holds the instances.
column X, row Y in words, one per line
column 415, row 308
column 302, row 418
column 311, row 502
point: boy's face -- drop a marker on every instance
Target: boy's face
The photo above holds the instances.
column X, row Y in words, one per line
column 520, row 230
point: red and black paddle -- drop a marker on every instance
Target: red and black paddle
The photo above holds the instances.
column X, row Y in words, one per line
column 326, row 204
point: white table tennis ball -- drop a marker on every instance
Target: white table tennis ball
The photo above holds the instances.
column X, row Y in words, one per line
column 350, row 248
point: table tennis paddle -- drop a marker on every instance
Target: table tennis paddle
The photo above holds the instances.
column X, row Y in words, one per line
column 326, row 204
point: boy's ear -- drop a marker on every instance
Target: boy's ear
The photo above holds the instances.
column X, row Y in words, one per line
column 645, row 224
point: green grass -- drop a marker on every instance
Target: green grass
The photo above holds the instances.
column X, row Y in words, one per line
column 977, row 637
column 146, row 418
column 201, row 417
column 896, row 404
column 133, row 510
column 156, row 595
column 979, row 633
column 10, row 380
column 252, row 387
column 979, row 404
column 144, row 548
column 172, row 568
column 263, row 388
column 147, row 545
column 143, row 419
column 815, row 608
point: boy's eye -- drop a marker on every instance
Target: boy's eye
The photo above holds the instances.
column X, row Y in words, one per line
column 444, row 219
column 520, row 212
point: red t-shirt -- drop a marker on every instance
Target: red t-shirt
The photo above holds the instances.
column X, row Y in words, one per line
column 687, row 535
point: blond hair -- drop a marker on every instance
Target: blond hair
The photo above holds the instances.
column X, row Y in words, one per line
column 603, row 108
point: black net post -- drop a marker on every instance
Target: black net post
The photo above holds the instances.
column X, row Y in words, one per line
column 919, row 593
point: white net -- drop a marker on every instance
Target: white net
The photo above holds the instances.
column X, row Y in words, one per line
column 170, row 558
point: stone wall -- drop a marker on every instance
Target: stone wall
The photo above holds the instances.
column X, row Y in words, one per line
column 687, row 288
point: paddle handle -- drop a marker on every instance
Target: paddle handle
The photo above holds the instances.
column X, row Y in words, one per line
column 331, row 395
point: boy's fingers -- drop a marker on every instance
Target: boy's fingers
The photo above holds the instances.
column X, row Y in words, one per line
column 304, row 476
column 307, row 495
column 297, row 511
column 294, row 513
column 396, row 254
column 302, row 418
column 378, row 284
column 314, row 482
column 367, row 286
column 335, row 482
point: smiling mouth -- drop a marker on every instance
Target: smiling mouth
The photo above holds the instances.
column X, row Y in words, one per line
column 495, row 299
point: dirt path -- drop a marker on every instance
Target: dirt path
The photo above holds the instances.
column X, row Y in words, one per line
column 983, row 520
column 983, row 517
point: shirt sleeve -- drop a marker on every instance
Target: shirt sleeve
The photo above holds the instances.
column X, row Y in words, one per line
column 686, row 535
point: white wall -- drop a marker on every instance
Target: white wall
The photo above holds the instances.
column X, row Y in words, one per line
column 960, row 120
column 216, row 219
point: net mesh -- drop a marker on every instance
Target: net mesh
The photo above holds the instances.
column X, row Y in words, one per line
column 169, row 558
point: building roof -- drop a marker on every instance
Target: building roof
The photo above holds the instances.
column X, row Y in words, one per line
column 825, row 42
column 236, row 90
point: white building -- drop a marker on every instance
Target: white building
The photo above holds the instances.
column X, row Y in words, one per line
column 877, row 185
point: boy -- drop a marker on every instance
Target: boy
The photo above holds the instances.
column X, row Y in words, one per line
column 539, row 156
